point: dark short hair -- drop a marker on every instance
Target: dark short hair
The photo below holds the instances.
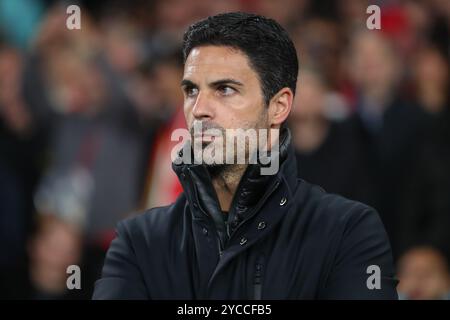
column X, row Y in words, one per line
column 267, row 45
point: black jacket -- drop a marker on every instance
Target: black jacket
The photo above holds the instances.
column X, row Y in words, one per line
column 285, row 239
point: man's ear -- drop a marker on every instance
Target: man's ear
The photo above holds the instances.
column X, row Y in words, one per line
column 280, row 106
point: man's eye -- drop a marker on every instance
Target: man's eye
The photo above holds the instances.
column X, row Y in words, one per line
column 226, row 90
column 191, row 91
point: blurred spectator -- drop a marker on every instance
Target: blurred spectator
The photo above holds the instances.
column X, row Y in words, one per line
column 162, row 184
column 95, row 130
column 21, row 146
column 425, row 201
column 431, row 80
column 387, row 127
column 56, row 246
column 319, row 44
column 326, row 154
column 428, row 23
column 423, row 275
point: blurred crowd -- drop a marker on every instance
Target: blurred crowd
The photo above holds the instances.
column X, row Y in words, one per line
column 86, row 117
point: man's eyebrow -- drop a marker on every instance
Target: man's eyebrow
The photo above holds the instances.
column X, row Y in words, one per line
column 226, row 81
column 187, row 83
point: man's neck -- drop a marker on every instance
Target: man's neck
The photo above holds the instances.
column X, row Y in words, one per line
column 226, row 182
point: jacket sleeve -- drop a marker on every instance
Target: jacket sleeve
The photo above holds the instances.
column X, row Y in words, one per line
column 121, row 276
column 363, row 266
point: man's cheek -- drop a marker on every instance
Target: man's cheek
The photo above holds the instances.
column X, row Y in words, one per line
column 189, row 118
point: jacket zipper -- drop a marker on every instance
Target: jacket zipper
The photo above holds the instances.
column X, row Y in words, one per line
column 258, row 206
column 219, row 243
column 257, row 281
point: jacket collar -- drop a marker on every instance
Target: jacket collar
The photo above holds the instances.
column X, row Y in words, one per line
column 252, row 189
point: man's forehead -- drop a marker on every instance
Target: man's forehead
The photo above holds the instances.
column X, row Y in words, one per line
column 216, row 61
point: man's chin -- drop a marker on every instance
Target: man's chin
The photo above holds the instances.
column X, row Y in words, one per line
column 215, row 169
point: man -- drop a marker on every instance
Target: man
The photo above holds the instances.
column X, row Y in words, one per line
column 236, row 233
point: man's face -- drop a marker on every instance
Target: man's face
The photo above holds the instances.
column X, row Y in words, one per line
column 221, row 91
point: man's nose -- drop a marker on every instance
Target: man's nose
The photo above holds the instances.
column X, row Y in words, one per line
column 203, row 107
